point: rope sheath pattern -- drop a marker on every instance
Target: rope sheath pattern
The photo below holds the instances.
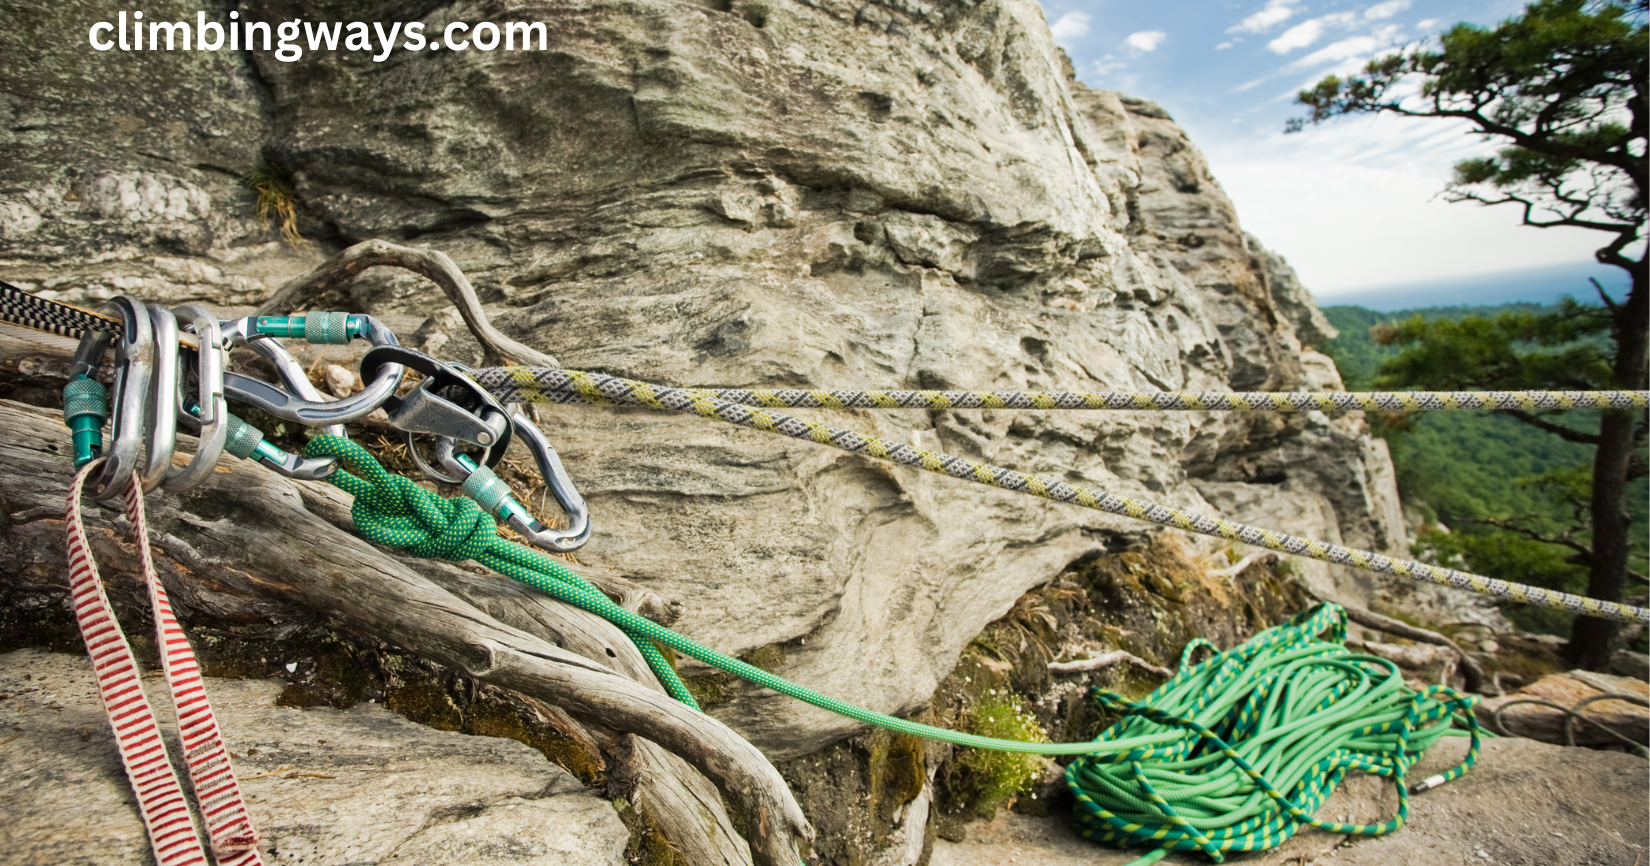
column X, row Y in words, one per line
column 513, row 384
column 22, row 308
column 509, row 386
column 394, row 511
column 399, row 514
column 1264, row 733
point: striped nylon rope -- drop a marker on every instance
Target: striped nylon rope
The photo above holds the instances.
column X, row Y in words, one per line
column 21, row 308
column 161, row 801
column 543, row 385
column 1261, row 736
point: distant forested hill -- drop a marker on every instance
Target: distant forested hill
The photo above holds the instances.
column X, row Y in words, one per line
column 1461, row 467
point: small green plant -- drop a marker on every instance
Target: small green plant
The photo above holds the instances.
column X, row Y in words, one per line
column 277, row 202
column 997, row 776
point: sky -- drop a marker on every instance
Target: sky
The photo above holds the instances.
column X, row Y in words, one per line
column 1353, row 205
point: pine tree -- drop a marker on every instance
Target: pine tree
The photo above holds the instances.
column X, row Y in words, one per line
column 1562, row 89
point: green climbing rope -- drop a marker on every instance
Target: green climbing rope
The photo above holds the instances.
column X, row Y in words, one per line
column 395, row 512
column 1251, row 742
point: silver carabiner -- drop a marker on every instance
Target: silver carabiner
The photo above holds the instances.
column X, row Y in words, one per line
column 308, row 412
column 136, row 357
column 493, row 495
column 160, row 428
column 247, row 442
column 293, row 376
column 212, row 407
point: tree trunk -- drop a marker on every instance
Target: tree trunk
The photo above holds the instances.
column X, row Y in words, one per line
column 1592, row 641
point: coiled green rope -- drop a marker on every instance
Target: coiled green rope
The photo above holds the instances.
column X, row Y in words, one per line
column 1251, row 742
column 1233, row 753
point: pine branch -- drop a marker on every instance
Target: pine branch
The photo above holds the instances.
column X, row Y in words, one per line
column 1568, row 434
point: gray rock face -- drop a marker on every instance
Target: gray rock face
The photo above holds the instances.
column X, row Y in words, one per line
column 1524, row 803
column 760, row 193
column 324, row 786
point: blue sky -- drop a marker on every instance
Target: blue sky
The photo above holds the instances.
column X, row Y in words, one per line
column 1352, row 205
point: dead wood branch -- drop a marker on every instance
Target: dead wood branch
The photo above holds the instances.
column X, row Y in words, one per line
column 1472, row 673
column 1237, row 568
column 436, row 266
column 247, row 546
column 1105, row 660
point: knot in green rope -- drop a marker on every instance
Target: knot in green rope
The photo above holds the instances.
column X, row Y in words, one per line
column 394, row 511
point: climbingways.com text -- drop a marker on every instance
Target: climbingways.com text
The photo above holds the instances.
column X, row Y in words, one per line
column 289, row 39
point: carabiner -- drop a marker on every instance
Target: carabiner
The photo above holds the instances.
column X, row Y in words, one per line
column 293, row 376
column 136, row 356
column 213, row 409
column 326, row 328
column 85, row 400
column 160, row 427
column 493, row 495
column 247, row 442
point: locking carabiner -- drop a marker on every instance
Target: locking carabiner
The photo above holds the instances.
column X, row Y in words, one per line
column 325, row 328
column 247, row 442
column 493, row 495
column 293, row 376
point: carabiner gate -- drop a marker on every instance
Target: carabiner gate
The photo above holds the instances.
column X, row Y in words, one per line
column 493, row 495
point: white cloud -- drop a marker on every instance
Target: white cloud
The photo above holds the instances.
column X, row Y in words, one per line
column 1274, row 12
column 1308, row 32
column 1334, row 51
column 1355, row 204
column 1385, row 10
column 1146, row 40
column 1106, row 65
column 1072, row 25
column 1353, row 47
column 1298, row 36
column 1225, row 45
column 1427, row 24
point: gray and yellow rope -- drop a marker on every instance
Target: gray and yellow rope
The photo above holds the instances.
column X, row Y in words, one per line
column 550, row 382
column 543, row 385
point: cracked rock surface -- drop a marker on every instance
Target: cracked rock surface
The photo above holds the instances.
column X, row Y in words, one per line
column 1524, row 804
column 747, row 193
column 324, row 786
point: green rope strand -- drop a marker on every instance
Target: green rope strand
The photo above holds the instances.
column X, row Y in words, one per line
column 395, row 512
column 1263, row 733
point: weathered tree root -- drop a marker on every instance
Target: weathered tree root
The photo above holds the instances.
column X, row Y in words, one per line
column 437, row 266
column 250, row 543
column 1106, row 660
column 1472, row 673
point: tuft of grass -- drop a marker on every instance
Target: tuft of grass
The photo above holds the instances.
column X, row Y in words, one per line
column 996, row 777
column 277, row 202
